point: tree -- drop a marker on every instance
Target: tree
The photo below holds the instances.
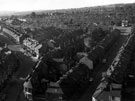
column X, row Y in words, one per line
column 33, row 14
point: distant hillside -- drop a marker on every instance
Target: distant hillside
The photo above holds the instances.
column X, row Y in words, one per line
column 6, row 13
column 9, row 13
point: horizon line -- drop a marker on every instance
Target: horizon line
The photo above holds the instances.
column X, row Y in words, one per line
column 36, row 10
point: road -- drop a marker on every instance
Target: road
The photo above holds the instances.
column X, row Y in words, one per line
column 97, row 74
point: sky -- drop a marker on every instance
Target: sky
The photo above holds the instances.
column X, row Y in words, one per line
column 29, row 5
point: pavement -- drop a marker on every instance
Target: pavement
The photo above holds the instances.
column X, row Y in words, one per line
column 17, row 48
